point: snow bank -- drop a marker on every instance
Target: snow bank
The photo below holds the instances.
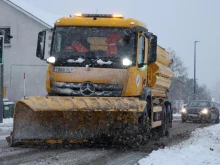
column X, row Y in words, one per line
column 6, row 128
column 177, row 116
column 202, row 148
column 6, row 125
column 7, row 121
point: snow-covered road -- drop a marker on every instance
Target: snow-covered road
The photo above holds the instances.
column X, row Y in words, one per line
column 84, row 155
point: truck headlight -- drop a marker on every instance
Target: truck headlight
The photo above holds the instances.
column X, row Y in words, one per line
column 183, row 110
column 126, row 62
column 51, row 60
column 205, row 111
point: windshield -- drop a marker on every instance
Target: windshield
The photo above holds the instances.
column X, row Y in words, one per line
column 87, row 45
column 199, row 104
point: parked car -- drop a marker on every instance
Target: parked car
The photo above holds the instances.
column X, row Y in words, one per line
column 200, row 110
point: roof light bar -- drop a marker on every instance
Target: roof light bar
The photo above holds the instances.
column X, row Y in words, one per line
column 99, row 15
column 78, row 14
column 117, row 16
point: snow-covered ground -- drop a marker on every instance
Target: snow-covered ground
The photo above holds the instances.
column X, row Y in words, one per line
column 6, row 125
column 176, row 116
column 6, row 128
column 202, row 148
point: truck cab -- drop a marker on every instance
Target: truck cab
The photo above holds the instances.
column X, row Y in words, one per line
column 108, row 53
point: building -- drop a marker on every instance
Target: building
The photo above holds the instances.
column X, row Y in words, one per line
column 19, row 52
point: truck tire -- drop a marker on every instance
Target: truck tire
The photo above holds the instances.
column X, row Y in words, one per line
column 169, row 115
column 143, row 121
column 164, row 129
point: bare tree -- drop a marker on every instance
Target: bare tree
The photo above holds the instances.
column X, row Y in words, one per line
column 182, row 86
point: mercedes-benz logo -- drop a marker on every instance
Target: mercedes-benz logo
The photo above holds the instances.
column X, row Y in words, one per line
column 87, row 89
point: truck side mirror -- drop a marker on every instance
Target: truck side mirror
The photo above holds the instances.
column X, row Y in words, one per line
column 41, row 45
column 44, row 44
column 152, row 53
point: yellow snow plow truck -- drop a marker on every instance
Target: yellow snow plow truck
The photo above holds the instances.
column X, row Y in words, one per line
column 106, row 76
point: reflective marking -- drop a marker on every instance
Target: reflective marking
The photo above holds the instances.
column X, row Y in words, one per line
column 156, row 124
column 157, row 109
column 138, row 79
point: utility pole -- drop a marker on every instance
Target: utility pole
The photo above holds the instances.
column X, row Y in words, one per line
column 1, row 77
column 195, row 69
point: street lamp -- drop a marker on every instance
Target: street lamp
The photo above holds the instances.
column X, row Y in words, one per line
column 195, row 69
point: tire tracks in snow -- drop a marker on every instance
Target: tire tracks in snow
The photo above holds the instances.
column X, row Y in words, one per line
column 18, row 155
column 95, row 155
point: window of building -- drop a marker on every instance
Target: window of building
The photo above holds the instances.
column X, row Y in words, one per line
column 6, row 31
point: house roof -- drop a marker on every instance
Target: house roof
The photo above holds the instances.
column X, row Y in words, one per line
column 27, row 13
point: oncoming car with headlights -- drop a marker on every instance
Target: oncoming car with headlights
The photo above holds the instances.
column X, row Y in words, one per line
column 199, row 110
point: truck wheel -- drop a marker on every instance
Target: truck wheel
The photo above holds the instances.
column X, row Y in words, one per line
column 170, row 115
column 164, row 129
column 144, row 127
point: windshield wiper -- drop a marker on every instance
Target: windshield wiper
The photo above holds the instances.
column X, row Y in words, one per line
column 100, row 62
column 79, row 60
column 97, row 60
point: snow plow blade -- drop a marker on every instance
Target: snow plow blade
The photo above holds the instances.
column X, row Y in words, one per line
column 57, row 119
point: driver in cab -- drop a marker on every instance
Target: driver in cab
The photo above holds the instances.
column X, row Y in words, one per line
column 76, row 46
column 112, row 41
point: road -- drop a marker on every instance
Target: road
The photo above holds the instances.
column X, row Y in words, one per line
column 79, row 155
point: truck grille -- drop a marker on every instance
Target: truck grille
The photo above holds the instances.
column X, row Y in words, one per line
column 193, row 111
column 87, row 89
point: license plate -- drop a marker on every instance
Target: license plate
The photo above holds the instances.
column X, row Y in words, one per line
column 63, row 69
column 193, row 115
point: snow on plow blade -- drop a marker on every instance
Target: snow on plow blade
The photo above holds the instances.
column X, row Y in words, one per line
column 50, row 119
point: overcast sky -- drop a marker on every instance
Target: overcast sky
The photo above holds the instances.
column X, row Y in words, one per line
column 177, row 23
